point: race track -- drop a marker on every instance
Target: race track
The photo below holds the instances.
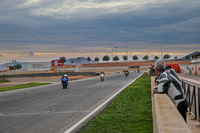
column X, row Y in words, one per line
column 50, row 109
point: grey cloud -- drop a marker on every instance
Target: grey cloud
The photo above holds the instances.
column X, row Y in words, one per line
column 170, row 22
column 83, row 9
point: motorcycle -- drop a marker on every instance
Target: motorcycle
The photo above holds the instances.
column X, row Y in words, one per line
column 126, row 73
column 64, row 83
column 102, row 75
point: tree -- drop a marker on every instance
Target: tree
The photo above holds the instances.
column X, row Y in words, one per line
column 11, row 68
column 116, row 58
column 106, row 58
column 18, row 66
column 135, row 57
column 96, row 59
column 89, row 59
column 166, row 56
column 125, row 57
column 187, row 57
column 156, row 58
column 63, row 58
column 146, row 57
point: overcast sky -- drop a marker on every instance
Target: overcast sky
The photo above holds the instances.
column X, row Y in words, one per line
column 41, row 30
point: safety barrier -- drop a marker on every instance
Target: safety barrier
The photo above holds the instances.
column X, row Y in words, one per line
column 193, row 95
column 47, row 74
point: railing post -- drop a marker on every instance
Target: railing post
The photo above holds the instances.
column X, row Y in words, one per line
column 194, row 99
column 183, row 85
column 188, row 96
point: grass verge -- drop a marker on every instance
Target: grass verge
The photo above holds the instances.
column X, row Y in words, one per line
column 21, row 86
column 129, row 112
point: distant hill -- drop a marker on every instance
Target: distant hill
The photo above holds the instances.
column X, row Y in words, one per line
column 189, row 56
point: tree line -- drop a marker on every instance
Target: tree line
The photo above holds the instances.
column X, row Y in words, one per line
column 15, row 67
column 125, row 58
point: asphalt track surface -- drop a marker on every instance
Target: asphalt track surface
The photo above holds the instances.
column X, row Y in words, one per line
column 51, row 109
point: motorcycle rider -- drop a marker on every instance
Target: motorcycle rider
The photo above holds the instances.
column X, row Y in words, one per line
column 64, row 81
column 102, row 75
column 138, row 70
column 126, row 72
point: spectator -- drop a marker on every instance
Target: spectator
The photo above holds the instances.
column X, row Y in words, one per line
column 151, row 70
column 169, row 83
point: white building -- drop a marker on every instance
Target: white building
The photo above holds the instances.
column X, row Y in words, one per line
column 38, row 66
column 196, row 64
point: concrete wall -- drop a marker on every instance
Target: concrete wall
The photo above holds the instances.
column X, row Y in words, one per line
column 111, row 66
column 133, row 63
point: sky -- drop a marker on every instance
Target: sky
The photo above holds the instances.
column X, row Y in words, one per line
column 43, row 30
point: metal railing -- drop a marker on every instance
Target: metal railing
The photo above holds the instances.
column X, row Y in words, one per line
column 193, row 95
column 199, row 101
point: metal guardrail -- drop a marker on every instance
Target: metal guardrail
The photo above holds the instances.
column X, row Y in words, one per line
column 193, row 95
column 47, row 74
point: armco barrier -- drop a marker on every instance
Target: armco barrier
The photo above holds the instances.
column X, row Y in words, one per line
column 166, row 118
column 47, row 74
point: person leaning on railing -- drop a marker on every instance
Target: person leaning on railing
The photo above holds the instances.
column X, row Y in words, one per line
column 169, row 83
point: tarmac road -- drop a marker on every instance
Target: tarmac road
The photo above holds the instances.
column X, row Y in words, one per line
column 50, row 109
